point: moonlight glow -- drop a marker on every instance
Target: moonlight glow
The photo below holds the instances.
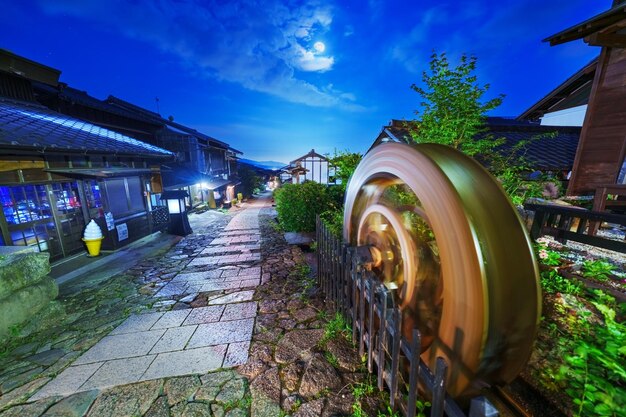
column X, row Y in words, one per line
column 319, row 47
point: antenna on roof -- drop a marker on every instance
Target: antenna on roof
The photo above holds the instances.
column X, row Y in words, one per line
column 157, row 103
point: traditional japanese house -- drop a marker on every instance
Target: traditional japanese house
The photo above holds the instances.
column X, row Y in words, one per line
column 600, row 157
column 552, row 150
column 309, row 167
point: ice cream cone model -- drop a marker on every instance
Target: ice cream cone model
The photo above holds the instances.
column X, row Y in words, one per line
column 93, row 238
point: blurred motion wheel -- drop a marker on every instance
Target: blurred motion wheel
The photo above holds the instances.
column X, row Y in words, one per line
column 449, row 243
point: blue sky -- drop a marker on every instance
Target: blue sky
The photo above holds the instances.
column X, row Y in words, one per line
column 277, row 78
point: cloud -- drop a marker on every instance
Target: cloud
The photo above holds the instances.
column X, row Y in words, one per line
column 261, row 48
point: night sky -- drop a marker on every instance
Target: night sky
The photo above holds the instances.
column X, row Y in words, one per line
column 277, row 78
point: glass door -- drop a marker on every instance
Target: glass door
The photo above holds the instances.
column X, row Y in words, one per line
column 69, row 216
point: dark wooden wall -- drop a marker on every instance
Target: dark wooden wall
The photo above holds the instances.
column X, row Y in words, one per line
column 603, row 138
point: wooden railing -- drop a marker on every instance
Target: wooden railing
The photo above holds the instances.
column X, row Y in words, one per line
column 565, row 223
column 363, row 301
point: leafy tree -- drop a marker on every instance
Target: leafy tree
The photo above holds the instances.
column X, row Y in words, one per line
column 298, row 204
column 345, row 162
column 453, row 111
column 250, row 181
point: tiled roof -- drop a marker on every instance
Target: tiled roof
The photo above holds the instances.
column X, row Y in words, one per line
column 26, row 125
column 553, row 151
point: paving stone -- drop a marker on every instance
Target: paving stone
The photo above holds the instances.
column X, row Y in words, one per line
column 220, row 286
column 217, row 379
column 203, row 315
column 185, row 362
column 131, row 400
column 196, row 410
column 121, row 346
column 68, row 381
column 159, row 408
column 230, row 272
column 171, row 319
column 296, row 344
column 73, row 406
column 118, row 372
column 237, row 354
column 217, row 410
column 318, row 376
column 172, row 289
column 222, row 333
column 310, row 409
column 239, row 311
column 197, row 276
column 265, row 391
column 174, row 339
column 47, row 357
column 29, row 410
column 203, row 261
column 137, row 323
column 181, row 389
column 249, row 283
column 233, row 297
column 233, row 390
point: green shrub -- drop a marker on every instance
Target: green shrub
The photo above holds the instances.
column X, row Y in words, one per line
column 298, row 204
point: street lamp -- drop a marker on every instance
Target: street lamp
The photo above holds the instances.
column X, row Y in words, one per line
column 179, row 222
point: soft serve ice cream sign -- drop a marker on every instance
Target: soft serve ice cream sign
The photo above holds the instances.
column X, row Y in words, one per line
column 93, row 238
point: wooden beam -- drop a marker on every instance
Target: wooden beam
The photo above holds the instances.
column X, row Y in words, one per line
column 610, row 40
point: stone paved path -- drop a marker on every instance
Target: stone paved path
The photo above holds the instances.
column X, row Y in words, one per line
column 161, row 344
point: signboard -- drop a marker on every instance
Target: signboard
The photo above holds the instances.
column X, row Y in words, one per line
column 109, row 219
column 122, row 232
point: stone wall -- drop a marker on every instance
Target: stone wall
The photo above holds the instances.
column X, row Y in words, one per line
column 25, row 287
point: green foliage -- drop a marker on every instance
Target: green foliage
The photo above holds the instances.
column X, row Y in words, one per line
column 552, row 283
column 452, row 111
column 600, row 270
column 333, row 219
column 331, row 359
column 345, row 163
column 298, row 204
column 337, row 327
column 359, row 391
column 250, row 182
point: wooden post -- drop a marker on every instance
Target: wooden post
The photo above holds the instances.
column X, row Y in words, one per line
column 371, row 329
column 439, row 389
column 382, row 341
column 395, row 357
column 414, row 372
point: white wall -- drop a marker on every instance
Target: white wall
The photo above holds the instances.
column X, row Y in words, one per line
column 569, row 117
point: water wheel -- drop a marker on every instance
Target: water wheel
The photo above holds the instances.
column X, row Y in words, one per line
column 446, row 239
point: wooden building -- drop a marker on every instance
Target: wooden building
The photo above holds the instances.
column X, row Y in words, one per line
column 600, row 157
column 309, row 167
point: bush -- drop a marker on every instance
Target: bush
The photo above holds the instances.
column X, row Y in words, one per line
column 298, row 204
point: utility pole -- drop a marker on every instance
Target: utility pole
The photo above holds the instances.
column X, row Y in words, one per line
column 157, row 103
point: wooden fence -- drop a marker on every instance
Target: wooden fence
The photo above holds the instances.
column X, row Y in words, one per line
column 376, row 324
column 567, row 223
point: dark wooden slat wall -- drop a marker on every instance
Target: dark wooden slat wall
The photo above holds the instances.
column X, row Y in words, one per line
column 603, row 138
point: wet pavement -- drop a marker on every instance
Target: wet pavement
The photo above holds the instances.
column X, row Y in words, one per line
column 225, row 323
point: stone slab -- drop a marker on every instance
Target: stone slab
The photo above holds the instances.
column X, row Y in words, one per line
column 204, row 315
column 174, row 339
column 171, row 319
column 237, row 354
column 222, row 333
column 68, row 381
column 239, row 311
column 235, row 297
column 185, row 362
column 118, row 372
column 121, row 346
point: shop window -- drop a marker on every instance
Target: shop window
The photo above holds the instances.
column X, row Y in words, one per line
column 135, row 194
column 23, row 204
column 93, row 198
column 125, row 196
column 67, row 200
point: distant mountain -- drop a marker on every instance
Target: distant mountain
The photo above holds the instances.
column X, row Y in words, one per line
column 263, row 164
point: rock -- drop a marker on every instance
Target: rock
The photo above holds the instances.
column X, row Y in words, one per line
column 196, row 410
column 266, row 386
column 29, row 410
column 271, row 306
column 318, row 377
column 73, row 406
column 159, row 408
column 304, row 314
column 21, row 394
column 181, row 389
column 47, row 357
column 310, row 409
column 291, row 375
column 339, row 405
column 126, row 400
column 292, row 402
column 20, row 270
column 233, row 390
column 296, row 344
column 217, row 379
column 346, row 356
column 218, row 410
column 237, row 412
column 253, row 368
column 20, row 377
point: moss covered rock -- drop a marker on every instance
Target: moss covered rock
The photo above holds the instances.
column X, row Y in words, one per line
column 19, row 270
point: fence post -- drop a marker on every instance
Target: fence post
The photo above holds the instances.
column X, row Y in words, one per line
column 414, row 372
column 395, row 356
column 354, row 282
column 382, row 340
column 370, row 333
column 439, row 389
column 362, row 281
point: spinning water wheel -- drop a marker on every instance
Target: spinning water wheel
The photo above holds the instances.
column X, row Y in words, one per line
column 445, row 238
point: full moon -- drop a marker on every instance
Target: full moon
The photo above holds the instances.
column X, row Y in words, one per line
column 319, row 46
